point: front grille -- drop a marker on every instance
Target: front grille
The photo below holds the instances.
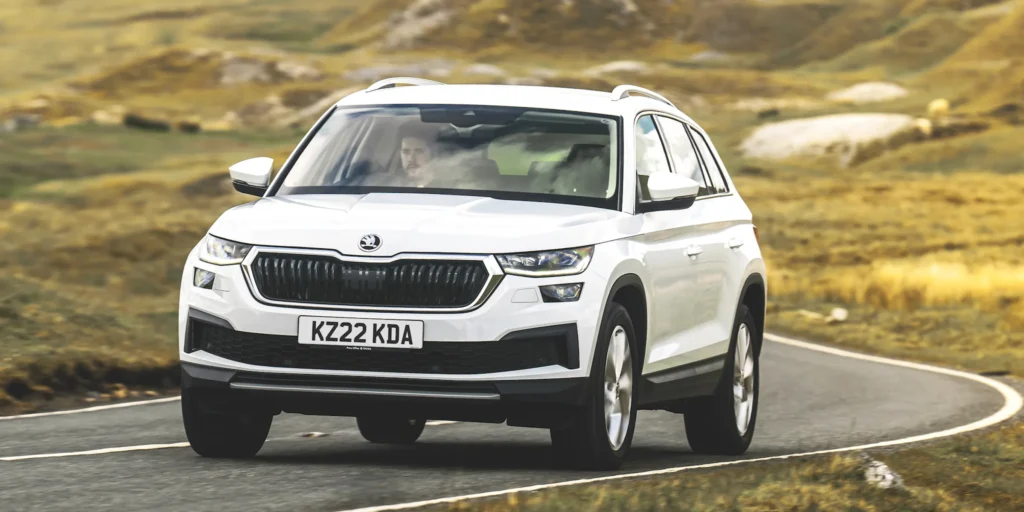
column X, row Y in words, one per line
column 434, row 357
column 321, row 279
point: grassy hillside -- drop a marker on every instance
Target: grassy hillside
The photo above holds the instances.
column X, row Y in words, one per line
column 989, row 67
column 921, row 244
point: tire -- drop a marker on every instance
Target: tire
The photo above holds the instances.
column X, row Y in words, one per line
column 389, row 430
column 222, row 434
column 712, row 426
column 588, row 443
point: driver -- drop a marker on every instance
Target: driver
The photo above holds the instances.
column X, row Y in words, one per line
column 417, row 150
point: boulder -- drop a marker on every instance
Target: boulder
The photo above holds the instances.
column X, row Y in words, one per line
column 868, row 92
column 189, row 126
column 524, row 80
column 228, row 122
column 145, row 122
column 756, row 104
column 619, row 66
column 109, row 116
column 269, row 110
column 420, row 19
column 298, row 71
column 484, row 70
column 20, row 122
column 425, row 68
column 849, row 138
column 708, row 56
column 244, row 70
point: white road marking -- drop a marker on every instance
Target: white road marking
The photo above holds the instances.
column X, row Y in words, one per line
column 100, row 451
column 146, row 447
column 92, row 409
column 1012, row 404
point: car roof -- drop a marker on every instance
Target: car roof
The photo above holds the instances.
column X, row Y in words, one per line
column 542, row 97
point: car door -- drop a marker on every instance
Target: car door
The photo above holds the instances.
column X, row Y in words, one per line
column 673, row 248
column 730, row 219
column 704, row 256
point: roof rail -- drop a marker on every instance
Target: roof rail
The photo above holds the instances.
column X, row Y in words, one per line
column 401, row 80
column 623, row 91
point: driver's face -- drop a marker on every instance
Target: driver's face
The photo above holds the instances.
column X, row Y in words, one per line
column 415, row 154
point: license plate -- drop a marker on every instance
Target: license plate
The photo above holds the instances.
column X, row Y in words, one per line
column 360, row 333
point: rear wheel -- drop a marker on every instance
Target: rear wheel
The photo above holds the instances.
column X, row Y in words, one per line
column 724, row 423
column 603, row 429
column 219, row 433
column 390, row 430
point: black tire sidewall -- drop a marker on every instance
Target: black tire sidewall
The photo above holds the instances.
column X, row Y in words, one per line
column 615, row 315
column 743, row 317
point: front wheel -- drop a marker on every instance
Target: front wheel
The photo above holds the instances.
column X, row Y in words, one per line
column 723, row 423
column 603, row 429
column 213, row 432
column 388, row 430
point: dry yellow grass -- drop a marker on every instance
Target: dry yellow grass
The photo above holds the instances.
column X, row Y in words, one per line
column 973, row 473
column 913, row 283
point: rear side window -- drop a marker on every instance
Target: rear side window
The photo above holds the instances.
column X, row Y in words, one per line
column 710, row 163
column 650, row 154
column 684, row 157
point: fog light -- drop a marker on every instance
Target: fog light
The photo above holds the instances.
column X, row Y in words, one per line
column 203, row 279
column 561, row 292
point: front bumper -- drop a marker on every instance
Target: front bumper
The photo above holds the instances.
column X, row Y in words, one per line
column 545, row 403
column 507, row 313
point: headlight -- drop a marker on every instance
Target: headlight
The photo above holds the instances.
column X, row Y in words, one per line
column 564, row 262
column 222, row 252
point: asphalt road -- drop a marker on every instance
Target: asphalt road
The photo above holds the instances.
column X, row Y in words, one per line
column 810, row 401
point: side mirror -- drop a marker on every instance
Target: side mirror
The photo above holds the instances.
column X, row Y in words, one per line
column 252, row 176
column 669, row 191
column 666, row 185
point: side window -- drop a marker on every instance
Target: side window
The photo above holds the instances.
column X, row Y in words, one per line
column 710, row 163
column 650, row 154
column 684, row 158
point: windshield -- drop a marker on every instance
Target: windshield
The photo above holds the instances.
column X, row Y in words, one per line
column 501, row 152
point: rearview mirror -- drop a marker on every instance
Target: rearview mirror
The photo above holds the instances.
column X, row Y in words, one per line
column 252, row 176
column 670, row 191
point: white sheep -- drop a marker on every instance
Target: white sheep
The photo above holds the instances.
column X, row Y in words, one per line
column 938, row 108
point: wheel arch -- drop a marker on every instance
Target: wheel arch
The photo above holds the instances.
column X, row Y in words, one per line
column 754, row 296
column 628, row 291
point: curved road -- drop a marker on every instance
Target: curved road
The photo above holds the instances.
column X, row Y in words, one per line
column 810, row 401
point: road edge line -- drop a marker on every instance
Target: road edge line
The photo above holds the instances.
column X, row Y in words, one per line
column 1012, row 403
column 98, row 451
column 91, row 409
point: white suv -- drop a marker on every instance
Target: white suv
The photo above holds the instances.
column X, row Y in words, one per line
column 544, row 257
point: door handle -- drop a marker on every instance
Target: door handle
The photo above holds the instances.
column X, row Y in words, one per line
column 735, row 243
column 694, row 250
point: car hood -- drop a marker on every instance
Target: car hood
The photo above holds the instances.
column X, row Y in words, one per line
column 422, row 223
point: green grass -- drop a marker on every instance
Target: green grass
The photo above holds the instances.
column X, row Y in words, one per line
column 37, row 155
column 84, row 307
